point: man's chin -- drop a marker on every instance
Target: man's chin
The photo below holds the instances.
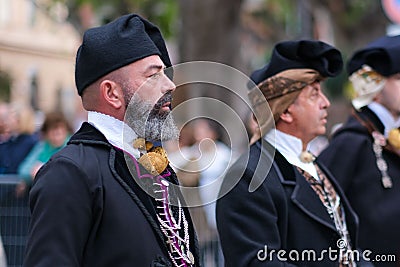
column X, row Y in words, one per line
column 161, row 127
column 322, row 130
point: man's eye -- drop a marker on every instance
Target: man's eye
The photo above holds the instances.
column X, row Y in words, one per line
column 315, row 92
column 156, row 74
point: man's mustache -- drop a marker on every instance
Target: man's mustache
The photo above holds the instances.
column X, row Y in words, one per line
column 167, row 97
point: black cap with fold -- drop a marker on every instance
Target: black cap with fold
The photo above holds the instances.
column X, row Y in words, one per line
column 114, row 45
column 300, row 54
column 383, row 55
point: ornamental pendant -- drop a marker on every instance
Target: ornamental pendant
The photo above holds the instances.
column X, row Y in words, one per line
column 155, row 160
column 306, row 157
column 387, row 182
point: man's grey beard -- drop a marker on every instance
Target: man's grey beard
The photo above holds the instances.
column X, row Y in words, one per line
column 150, row 123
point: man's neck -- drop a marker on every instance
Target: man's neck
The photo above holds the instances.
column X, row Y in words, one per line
column 304, row 141
column 116, row 131
column 291, row 147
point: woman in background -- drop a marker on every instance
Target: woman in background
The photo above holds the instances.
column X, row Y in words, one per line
column 55, row 133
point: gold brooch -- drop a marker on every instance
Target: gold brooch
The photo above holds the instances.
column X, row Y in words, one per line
column 394, row 138
column 142, row 144
column 155, row 159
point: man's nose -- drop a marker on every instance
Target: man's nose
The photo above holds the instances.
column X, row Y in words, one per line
column 168, row 85
column 325, row 101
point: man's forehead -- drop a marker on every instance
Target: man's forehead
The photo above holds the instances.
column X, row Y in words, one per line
column 148, row 63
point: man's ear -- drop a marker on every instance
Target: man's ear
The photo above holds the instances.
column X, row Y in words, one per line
column 112, row 93
column 286, row 116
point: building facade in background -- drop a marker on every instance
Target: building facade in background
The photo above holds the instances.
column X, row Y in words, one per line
column 37, row 53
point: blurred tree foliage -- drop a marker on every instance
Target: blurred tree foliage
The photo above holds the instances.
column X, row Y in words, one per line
column 164, row 13
column 206, row 29
column 350, row 24
column 354, row 22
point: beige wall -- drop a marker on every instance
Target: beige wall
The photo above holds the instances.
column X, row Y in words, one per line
column 37, row 41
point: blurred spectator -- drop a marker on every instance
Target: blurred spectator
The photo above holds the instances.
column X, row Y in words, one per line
column 17, row 136
column 214, row 158
column 213, row 162
column 55, row 133
column 201, row 165
column 363, row 156
column 179, row 151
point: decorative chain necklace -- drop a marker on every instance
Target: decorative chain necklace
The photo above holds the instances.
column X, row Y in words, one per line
column 336, row 212
column 377, row 146
column 173, row 225
column 332, row 203
column 379, row 142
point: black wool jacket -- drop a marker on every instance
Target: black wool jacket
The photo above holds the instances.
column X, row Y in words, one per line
column 280, row 223
column 350, row 157
column 87, row 210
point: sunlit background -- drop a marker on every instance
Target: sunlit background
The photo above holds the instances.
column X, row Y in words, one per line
column 38, row 40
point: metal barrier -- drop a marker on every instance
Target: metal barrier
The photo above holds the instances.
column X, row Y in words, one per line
column 14, row 219
column 15, row 216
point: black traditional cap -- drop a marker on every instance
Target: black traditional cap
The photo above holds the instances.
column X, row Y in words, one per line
column 310, row 54
column 114, row 45
column 382, row 55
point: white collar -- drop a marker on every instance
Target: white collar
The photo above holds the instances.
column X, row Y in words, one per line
column 117, row 132
column 290, row 147
column 385, row 117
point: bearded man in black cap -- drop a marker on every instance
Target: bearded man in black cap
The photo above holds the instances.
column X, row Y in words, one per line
column 110, row 197
column 364, row 154
column 293, row 213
